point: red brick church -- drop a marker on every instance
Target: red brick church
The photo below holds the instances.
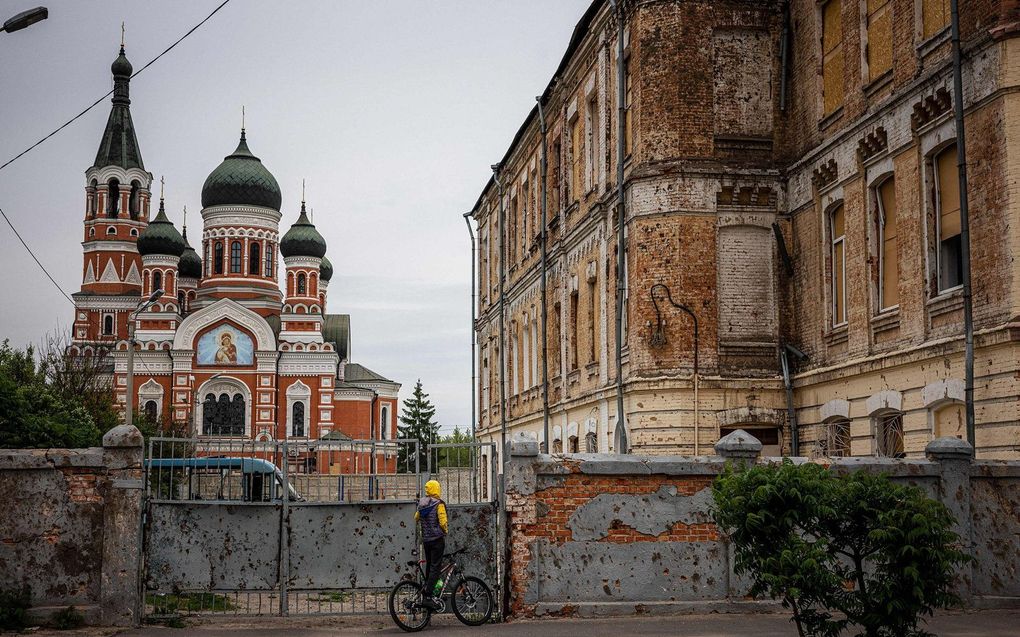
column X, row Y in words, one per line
column 231, row 348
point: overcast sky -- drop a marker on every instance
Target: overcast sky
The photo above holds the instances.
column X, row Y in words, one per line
column 391, row 110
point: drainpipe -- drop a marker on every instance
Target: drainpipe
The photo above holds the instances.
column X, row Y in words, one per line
column 502, row 323
column 784, row 48
column 961, row 163
column 474, row 373
column 621, row 283
column 791, row 414
column 544, row 265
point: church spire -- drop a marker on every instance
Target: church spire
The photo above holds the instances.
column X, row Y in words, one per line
column 119, row 146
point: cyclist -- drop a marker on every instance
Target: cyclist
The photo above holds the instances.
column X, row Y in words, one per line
column 431, row 514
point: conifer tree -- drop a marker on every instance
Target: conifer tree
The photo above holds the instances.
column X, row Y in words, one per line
column 417, row 422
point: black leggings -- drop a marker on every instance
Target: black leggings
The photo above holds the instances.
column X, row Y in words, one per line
column 433, row 559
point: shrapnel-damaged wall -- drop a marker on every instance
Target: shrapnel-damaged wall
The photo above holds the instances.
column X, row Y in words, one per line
column 597, row 534
column 69, row 528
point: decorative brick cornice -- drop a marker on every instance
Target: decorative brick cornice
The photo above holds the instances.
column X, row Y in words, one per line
column 930, row 108
column 872, row 144
column 825, row 174
column 760, row 196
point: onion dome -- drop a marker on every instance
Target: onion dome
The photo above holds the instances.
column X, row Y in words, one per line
column 121, row 66
column 161, row 237
column 241, row 179
column 191, row 264
column 303, row 240
column 325, row 270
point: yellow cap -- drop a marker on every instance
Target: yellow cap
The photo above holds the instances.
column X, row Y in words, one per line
column 432, row 488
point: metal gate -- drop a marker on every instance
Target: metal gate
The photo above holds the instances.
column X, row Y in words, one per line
column 307, row 527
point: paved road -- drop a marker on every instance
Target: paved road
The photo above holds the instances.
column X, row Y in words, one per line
column 980, row 624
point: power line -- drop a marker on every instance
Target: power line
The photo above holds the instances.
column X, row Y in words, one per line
column 100, row 100
column 41, row 266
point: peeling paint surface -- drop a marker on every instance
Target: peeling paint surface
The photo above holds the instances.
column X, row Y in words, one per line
column 649, row 514
column 995, row 511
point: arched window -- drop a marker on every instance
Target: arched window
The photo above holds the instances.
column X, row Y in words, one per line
column 591, row 444
column 134, row 232
column 93, row 198
column 254, row 260
column 834, row 441
column 572, row 444
column 298, row 428
column 269, row 259
column 235, row 257
column 111, row 230
column 113, row 199
column 134, row 201
column 223, row 416
column 384, row 422
column 889, row 433
column 301, row 283
column 150, row 410
column 108, row 324
column 157, row 280
column 218, row 258
column 92, row 232
column 180, row 301
column 950, row 420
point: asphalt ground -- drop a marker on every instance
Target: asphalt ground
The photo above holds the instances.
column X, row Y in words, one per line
column 957, row 624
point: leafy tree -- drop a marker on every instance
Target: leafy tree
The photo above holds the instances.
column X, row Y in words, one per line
column 843, row 552
column 36, row 413
column 417, row 423
column 460, row 455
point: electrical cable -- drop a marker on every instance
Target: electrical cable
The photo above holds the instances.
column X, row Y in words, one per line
column 36, row 259
column 100, row 100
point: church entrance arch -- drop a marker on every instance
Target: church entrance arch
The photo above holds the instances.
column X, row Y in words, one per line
column 224, row 408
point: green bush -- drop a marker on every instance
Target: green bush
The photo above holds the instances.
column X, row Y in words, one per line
column 67, row 619
column 843, row 552
column 14, row 605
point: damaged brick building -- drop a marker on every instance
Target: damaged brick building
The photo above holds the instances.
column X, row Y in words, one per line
column 790, row 181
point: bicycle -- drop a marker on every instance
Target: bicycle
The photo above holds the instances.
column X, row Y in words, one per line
column 470, row 597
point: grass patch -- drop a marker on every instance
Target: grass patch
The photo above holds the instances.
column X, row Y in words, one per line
column 171, row 604
column 335, row 596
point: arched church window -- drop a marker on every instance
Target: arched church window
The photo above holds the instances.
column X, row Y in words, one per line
column 93, row 198
column 254, row 260
column 113, row 199
column 111, row 230
column 269, row 259
column 301, row 285
column 108, row 324
column 92, row 232
column 298, row 420
column 134, row 201
column 235, row 257
column 218, row 258
column 180, row 301
column 157, row 280
column 150, row 410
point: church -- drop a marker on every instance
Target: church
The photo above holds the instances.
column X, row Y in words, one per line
column 229, row 349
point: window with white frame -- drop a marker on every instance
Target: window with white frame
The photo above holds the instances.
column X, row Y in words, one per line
column 837, row 259
column 384, row 422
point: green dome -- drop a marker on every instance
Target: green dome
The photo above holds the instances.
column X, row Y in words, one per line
column 161, row 237
column 191, row 264
column 241, row 179
column 121, row 66
column 325, row 269
column 303, row 240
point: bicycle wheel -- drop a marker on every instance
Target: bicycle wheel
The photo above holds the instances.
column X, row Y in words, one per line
column 472, row 601
column 406, row 609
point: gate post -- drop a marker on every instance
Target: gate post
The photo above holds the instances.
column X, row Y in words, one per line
column 120, row 585
column 284, row 511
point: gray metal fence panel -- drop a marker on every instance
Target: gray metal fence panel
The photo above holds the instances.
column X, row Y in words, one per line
column 345, row 546
column 473, row 527
column 212, row 547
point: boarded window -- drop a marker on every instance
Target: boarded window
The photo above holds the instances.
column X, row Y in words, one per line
column 742, row 82
column 838, row 260
column 888, row 256
column 746, row 290
column 947, row 203
column 950, row 421
column 832, row 56
column 576, row 163
column 880, row 46
column 934, row 16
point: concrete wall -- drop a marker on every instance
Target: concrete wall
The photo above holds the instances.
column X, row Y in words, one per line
column 601, row 535
column 69, row 528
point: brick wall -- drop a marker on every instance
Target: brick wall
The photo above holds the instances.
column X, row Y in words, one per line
column 69, row 529
column 594, row 534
